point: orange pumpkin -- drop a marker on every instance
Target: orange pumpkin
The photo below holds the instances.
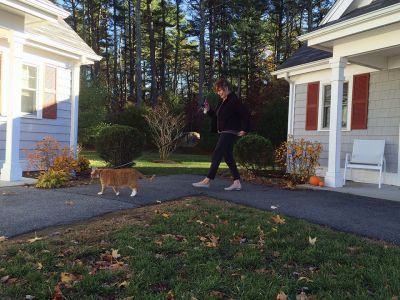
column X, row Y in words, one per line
column 314, row 180
column 321, row 183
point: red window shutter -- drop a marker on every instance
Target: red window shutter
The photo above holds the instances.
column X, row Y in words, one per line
column 50, row 99
column 312, row 106
column 359, row 111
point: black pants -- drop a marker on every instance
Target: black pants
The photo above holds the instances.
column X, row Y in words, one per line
column 224, row 149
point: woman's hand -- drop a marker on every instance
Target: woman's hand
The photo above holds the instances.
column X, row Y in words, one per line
column 242, row 133
column 206, row 107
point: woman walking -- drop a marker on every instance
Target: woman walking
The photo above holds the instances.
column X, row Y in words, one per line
column 230, row 119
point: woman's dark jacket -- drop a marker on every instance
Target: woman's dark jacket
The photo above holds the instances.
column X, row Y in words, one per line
column 230, row 114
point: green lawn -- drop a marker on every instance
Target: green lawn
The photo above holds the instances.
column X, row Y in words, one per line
column 186, row 164
column 198, row 248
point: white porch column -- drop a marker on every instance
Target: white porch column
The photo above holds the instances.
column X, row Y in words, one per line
column 292, row 98
column 12, row 170
column 333, row 177
column 75, row 81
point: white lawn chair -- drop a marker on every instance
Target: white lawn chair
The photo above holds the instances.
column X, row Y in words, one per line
column 367, row 154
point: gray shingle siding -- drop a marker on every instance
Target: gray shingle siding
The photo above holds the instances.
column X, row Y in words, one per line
column 383, row 119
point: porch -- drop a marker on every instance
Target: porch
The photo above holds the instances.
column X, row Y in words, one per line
column 387, row 192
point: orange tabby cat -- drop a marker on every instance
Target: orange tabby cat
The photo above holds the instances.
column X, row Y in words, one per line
column 117, row 178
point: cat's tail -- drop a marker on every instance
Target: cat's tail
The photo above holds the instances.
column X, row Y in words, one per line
column 141, row 176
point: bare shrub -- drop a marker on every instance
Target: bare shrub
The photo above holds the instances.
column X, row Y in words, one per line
column 166, row 128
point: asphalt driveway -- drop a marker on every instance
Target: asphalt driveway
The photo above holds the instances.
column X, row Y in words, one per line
column 26, row 209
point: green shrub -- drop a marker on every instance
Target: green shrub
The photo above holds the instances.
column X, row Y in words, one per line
column 134, row 116
column 52, row 179
column 254, row 153
column 119, row 144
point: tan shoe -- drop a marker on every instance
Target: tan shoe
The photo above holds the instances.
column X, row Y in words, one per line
column 201, row 184
column 234, row 187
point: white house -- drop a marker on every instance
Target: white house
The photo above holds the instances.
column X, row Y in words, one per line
column 345, row 85
column 40, row 60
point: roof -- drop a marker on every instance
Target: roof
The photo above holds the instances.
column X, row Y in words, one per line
column 373, row 6
column 61, row 33
column 305, row 55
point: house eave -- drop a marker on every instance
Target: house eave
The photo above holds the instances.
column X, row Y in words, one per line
column 349, row 27
column 37, row 9
column 59, row 48
column 303, row 68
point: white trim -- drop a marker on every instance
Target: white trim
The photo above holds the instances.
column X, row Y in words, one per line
column 398, row 161
column 354, row 25
column 36, row 39
column 52, row 50
column 336, row 11
column 303, row 68
column 38, row 8
column 11, row 170
column 333, row 176
column 75, row 82
column 37, row 90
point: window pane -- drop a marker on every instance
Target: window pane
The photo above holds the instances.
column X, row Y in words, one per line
column 50, row 78
column 327, row 106
column 29, row 77
column 345, row 103
column 28, row 104
column 345, row 92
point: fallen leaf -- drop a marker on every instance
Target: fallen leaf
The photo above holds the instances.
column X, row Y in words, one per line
column 202, row 238
column 8, row 193
column 304, row 278
column 213, row 243
column 2, row 238
column 200, row 222
column 165, row 215
column 39, row 266
column 4, row 278
column 262, row 271
column 170, row 295
column 158, row 242
column 68, row 278
column 123, row 285
column 278, row 219
column 281, row 296
column 57, row 295
column 312, row 240
column 36, row 238
column 193, row 298
column 301, row 296
column 115, row 254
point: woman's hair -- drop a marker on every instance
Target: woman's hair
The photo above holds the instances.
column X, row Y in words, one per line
column 221, row 84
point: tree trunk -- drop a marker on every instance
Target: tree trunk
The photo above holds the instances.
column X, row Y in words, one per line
column 202, row 50
column 138, row 38
column 163, row 54
column 177, row 44
column 150, row 27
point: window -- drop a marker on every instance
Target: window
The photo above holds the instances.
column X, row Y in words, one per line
column 327, row 105
column 29, row 89
column 1, row 100
column 50, row 93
